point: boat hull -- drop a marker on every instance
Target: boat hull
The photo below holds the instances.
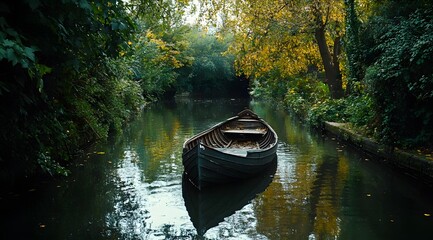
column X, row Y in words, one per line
column 206, row 166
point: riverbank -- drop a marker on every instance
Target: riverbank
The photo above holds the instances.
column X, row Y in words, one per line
column 416, row 165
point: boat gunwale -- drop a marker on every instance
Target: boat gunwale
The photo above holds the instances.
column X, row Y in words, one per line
column 213, row 128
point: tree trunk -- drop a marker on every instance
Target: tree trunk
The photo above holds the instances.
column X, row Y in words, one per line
column 330, row 62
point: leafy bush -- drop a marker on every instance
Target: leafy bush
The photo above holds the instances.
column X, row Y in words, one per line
column 333, row 110
column 359, row 110
column 271, row 85
column 303, row 92
column 58, row 92
column 401, row 80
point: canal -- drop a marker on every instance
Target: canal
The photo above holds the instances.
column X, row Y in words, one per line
column 132, row 188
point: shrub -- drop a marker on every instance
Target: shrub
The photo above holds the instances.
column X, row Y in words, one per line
column 401, row 80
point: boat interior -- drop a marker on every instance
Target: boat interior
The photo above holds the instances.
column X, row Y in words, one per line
column 238, row 134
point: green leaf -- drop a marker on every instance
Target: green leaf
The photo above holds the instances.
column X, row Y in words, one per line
column 42, row 69
column 24, row 63
column 29, row 52
column 10, row 55
column 8, row 43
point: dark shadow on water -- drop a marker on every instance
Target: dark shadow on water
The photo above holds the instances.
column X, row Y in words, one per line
column 208, row 207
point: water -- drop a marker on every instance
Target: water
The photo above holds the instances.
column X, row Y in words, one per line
column 132, row 188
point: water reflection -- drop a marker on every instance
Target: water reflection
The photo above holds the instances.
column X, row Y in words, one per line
column 148, row 176
column 209, row 207
column 320, row 190
column 146, row 209
column 306, row 194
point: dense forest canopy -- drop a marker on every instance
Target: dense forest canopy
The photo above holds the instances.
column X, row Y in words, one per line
column 75, row 71
column 364, row 62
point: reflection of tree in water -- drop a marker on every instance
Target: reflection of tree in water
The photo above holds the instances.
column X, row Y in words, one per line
column 305, row 201
column 160, row 132
column 159, row 142
column 325, row 197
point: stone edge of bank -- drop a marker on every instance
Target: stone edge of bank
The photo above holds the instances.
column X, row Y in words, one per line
column 412, row 164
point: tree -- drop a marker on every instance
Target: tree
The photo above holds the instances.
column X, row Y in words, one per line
column 211, row 73
column 325, row 15
column 66, row 78
column 289, row 35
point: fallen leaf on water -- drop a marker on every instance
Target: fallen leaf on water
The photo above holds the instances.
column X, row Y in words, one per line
column 368, row 195
column 427, row 214
column 42, row 225
column 109, row 161
column 100, row 153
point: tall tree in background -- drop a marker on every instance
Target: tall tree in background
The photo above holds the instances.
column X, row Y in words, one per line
column 289, row 35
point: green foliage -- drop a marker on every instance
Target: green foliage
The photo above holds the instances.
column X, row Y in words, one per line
column 271, row 85
column 211, row 73
column 303, row 92
column 401, row 79
column 50, row 166
column 353, row 48
column 357, row 110
column 158, row 15
column 332, row 110
column 153, row 60
column 75, row 71
column 298, row 93
column 58, row 92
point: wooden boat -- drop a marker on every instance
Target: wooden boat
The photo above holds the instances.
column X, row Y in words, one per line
column 238, row 148
column 210, row 206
